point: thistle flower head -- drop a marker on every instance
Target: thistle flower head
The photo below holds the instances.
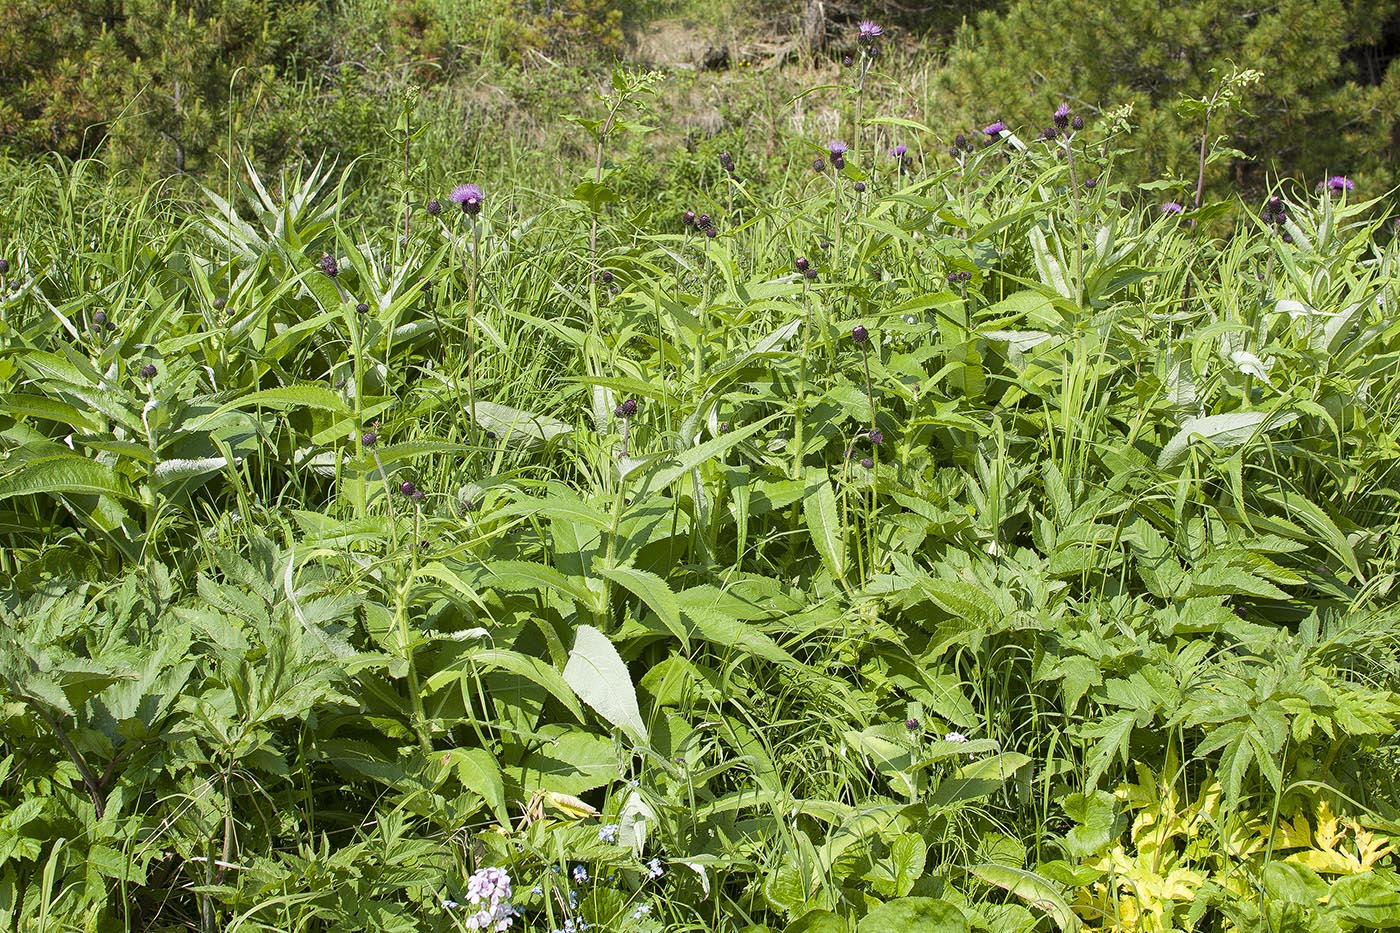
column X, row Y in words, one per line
column 1338, row 184
column 899, row 151
column 859, row 334
column 869, row 31
column 1062, row 116
column 726, row 162
column 99, row 319
column 627, row 409
column 1077, row 123
column 148, row 371
column 329, row 265
column 859, row 187
column 867, row 462
column 468, row 197
column 802, row 264
column 837, row 148
column 818, row 165
column 4, row 266
column 994, row 130
column 1171, row 207
column 407, row 488
column 434, row 207
column 876, row 437
column 362, row 308
column 911, row 724
column 369, row 439
column 688, row 218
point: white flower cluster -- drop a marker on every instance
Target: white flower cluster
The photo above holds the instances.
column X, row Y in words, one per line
column 488, row 892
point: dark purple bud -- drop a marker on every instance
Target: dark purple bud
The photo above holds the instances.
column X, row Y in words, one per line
column 954, row 278
column 1091, row 183
column 876, row 437
column 725, row 427
column 627, row 409
column 219, row 303
column 838, row 162
column 810, row 274
column 4, row 266
column 859, row 334
column 955, row 152
column 860, row 187
column 607, row 277
column 1077, row 123
column 1048, row 133
column 434, row 207
column 490, row 435
column 802, row 264
column 960, row 141
column 369, row 439
column 339, row 384
column 711, row 232
column 148, row 371
column 99, row 319
column 1287, row 237
column 688, row 218
column 328, row 265
column 417, row 496
column 867, row 462
column 726, row 162
column 818, row 165
column 847, row 61
column 911, row 724
column 362, row 308
column 825, row 244
column 703, row 220
column 407, row 488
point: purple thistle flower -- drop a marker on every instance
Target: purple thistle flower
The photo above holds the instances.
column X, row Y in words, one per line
column 1091, row 182
column 469, row 197
column 868, row 463
column 148, row 371
column 838, row 149
column 434, row 207
column 869, row 31
column 1077, row 123
column 802, row 264
column 859, row 334
column 911, row 724
column 876, row 437
column 960, row 141
column 4, row 266
column 627, row 409
column 1171, row 207
column 1062, row 116
column 994, row 130
column 329, row 266
column 688, row 218
column 1338, row 184
column 899, row 151
column 726, row 162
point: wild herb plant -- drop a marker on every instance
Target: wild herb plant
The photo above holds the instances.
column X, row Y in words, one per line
column 904, row 547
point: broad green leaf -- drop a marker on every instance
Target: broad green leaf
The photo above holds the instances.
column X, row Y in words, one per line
column 653, row 591
column 599, row 677
column 823, row 519
column 915, row 915
column 1033, row 889
column 480, row 773
column 65, row 474
column 1226, row 431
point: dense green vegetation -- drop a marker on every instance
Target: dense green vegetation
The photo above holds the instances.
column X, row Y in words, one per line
column 834, row 523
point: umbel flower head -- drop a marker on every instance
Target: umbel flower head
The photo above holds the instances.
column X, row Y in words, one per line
column 1338, row 184
column 469, row 197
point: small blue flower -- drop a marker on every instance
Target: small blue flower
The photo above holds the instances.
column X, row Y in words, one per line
column 608, row 832
column 537, row 891
column 655, row 869
column 580, row 874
